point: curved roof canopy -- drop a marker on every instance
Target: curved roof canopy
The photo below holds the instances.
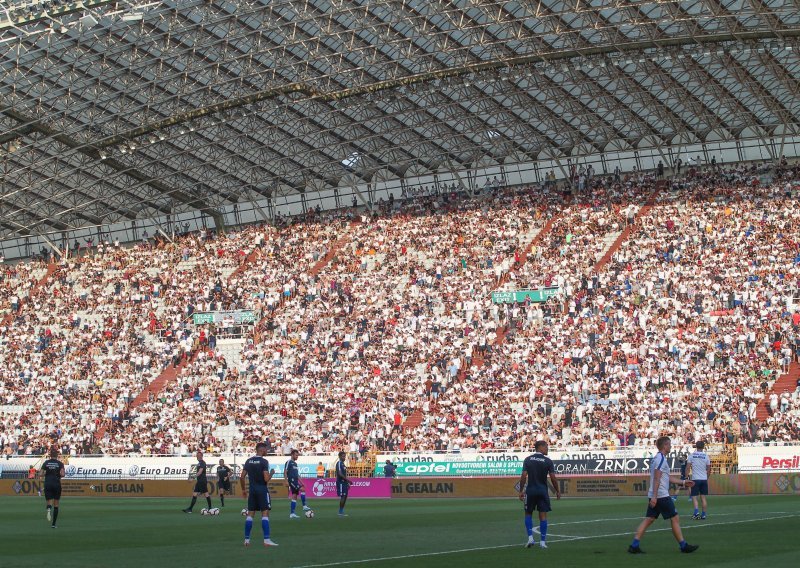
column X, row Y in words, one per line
column 113, row 111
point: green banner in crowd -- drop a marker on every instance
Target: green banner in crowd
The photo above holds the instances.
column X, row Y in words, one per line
column 236, row 316
column 519, row 296
column 463, row 469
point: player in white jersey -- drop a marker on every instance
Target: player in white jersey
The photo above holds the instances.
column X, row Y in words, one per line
column 660, row 503
column 699, row 465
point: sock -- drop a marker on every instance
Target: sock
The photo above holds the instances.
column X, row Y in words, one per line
column 682, row 544
column 49, row 507
column 635, row 543
column 303, row 499
column 543, row 529
column 55, row 515
column 341, row 510
column 265, row 527
column 703, row 515
column 208, row 500
column 529, row 524
column 695, row 510
column 194, row 500
column 293, row 506
column 222, row 500
column 248, row 526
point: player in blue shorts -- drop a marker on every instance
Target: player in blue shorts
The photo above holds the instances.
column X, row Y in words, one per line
column 342, row 483
column 699, row 467
column 256, row 470
column 536, row 468
column 660, row 503
column 291, row 473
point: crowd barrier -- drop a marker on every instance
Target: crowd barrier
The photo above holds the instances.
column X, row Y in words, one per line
column 785, row 483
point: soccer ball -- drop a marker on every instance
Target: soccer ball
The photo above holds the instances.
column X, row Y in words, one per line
column 204, row 511
column 309, row 514
column 244, row 512
column 213, row 512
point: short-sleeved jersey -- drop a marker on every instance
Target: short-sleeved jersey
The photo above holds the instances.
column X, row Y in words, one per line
column 291, row 471
column 255, row 468
column 223, row 473
column 700, row 463
column 201, row 477
column 659, row 463
column 52, row 471
column 538, row 467
column 341, row 470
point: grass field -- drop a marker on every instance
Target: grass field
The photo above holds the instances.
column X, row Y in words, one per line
column 740, row 531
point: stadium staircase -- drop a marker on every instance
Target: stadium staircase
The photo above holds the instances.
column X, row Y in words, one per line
column 477, row 358
column 335, row 248
column 52, row 268
column 785, row 383
column 413, row 420
column 166, row 377
column 624, row 235
column 249, row 259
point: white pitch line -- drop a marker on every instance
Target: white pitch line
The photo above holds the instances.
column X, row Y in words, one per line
column 517, row 544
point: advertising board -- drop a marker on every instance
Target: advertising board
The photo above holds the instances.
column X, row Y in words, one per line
column 764, row 459
column 160, row 467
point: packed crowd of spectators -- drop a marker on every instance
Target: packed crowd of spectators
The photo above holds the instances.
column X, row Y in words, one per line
column 368, row 319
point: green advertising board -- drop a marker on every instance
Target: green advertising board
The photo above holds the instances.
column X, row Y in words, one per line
column 237, row 316
column 456, row 469
column 520, row 296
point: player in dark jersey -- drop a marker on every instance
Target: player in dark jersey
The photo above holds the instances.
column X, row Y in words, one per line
column 53, row 471
column 291, row 473
column 536, row 468
column 200, row 484
column 223, row 481
column 342, row 483
column 257, row 472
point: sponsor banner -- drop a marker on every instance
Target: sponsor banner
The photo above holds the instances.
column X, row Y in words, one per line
column 556, row 455
column 235, row 317
column 103, row 488
column 768, row 458
column 782, row 483
column 594, row 486
column 159, row 467
column 360, row 488
column 514, row 468
column 520, row 296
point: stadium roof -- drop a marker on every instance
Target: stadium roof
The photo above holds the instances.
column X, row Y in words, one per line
column 112, row 111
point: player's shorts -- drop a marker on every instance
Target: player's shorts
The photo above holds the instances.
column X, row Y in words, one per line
column 342, row 488
column 224, row 485
column 295, row 488
column 52, row 491
column 700, row 487
column 200, row 487
column 537, row 502
column 259, row 499
column 665, row 507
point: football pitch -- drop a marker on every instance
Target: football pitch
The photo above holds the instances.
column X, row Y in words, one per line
column 107, row 532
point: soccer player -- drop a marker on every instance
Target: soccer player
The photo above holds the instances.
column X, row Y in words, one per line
column 699, row 466
column 257, row 471
column 342, row 483
column 536, row 468
column 53, row 472
column 201, row 484
column 223, row 481
column 291, row 473
column 660, row 503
